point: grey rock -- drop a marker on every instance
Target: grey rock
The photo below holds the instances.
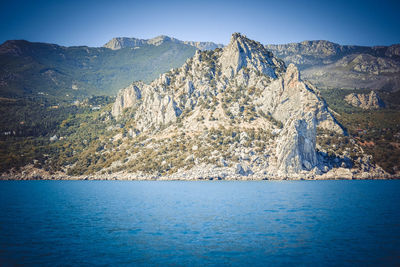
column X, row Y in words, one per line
column 296, row 145
column 365, row 101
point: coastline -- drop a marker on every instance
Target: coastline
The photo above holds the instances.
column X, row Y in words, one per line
column 203, row 173
column 133, row 177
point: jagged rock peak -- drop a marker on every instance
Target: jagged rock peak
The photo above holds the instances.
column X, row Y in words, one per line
column 242, row 65
column 242, row 88
column 243, row 52
column 292, row 75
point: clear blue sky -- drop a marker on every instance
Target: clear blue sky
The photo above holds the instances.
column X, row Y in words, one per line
column 94, row 22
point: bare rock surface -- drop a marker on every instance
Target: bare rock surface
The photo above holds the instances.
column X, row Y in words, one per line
column 365, row 101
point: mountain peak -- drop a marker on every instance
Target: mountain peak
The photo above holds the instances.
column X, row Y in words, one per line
column 239, row 39
column 228, row 93
column 238, row 35
column 243, row 52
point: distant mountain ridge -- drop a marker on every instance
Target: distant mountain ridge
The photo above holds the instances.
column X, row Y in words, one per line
column 330, row 65
column 39, row 69
column 124, row 42
column 30, row 69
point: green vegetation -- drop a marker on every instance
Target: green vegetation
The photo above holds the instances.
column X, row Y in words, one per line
column 376, row 131
column 77, row 72
column 29, row 125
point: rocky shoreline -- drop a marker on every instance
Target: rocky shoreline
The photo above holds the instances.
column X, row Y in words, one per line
column 31, row 173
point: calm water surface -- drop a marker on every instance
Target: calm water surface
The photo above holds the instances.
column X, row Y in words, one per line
column 200, row 223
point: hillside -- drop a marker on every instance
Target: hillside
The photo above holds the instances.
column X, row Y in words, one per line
column 39, row 69
column 330, row 65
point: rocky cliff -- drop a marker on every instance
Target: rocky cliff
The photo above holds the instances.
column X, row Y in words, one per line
column 365, row 101
column 264, row 113
column 123, row 42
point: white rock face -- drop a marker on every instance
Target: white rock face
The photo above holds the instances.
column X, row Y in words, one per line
column 127, row 98
column 295, row 147
column 288, row 95
column 244, row 53
column 221, row 88
column 152, row 107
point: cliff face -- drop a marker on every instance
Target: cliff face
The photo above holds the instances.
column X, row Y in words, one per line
column 241, row 88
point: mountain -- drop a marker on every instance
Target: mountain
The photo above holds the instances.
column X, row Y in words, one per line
column 124, row 42
column 48, row 70
column 330, row 65
column 232, row 113
column 236, row 112
column 226, row 98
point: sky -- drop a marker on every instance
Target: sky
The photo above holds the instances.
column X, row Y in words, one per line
column 94, row 22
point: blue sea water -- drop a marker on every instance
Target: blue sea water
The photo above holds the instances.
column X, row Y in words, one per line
column 146, row 223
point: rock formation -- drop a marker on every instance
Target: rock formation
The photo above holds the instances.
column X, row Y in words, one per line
column 242, row 86
column 365, row 101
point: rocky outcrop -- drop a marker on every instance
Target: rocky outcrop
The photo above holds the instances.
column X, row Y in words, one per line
column 244, row 53
column 126, row 98
column 285, row 96
column 295, row 146
column 123, row 42
column 369, row 64
column 243, row 63
column 365, row 101
column 242, row 86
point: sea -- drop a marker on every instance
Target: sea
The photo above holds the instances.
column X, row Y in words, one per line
column 200, row 223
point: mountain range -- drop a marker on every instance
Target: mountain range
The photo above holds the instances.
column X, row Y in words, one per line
column 39, row 69
column 330, row 65
column 236, row 112
column 124, row 42
column 232, row 112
